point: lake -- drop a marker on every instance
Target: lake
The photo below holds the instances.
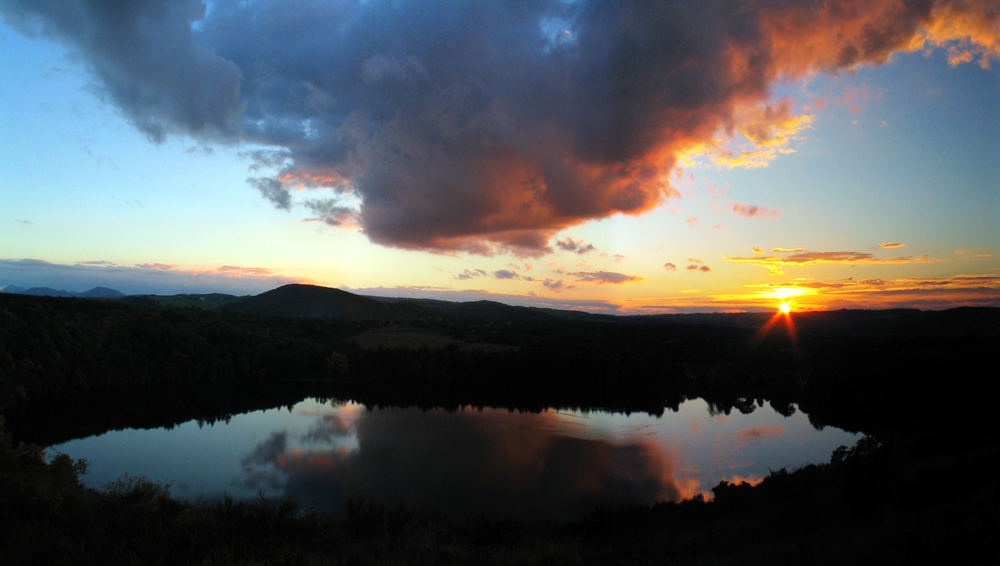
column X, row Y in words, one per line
column 550, row 465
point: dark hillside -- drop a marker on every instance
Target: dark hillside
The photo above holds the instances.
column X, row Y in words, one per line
column 101, row 293
column 311, row 301
column 495, row 310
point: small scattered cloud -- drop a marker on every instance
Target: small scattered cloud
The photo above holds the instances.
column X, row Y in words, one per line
column 694, row 267
column 758, row 251
column 556, row 285
column 670, row 267
column 574, row 246
column 272, row 190
column 331, row 213
column 157, row 266
column 753, row 211
column 25, row 222
column 888, row 246
column 467, row 274
column 601, row 277
column 692, row 222
column 619, row 258
column 786, row 250
column 856, row 99
column 505, row 274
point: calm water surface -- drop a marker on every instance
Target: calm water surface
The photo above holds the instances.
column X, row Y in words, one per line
column 550, row 465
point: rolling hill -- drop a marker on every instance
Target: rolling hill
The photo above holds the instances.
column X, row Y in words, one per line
column 312, row 301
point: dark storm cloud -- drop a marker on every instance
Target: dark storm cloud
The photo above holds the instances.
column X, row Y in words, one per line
column 147, row 60
column 479, row 126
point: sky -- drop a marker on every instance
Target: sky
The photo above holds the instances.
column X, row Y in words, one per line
column 622, row 157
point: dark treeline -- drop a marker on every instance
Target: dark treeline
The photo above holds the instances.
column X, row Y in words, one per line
column 858, row 370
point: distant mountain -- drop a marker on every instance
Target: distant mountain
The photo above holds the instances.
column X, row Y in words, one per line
column 95, row 293
column 102, row 293
column 320, row 302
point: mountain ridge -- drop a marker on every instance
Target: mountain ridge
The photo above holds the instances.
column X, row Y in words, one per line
column 95, row 293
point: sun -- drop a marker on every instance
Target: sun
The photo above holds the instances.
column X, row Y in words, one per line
column 785, row 307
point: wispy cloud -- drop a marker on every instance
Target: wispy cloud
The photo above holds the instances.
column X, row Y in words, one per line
column 753, row 211
column 802, row 258
column 670, row 267
column 888, row 246
column 601, row 277
column 927, row 293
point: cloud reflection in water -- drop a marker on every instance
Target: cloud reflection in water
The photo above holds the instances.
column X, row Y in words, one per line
column 494, row 462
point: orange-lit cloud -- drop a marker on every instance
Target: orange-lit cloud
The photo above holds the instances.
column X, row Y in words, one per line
column 923, row 293
column 601, row 277
column 889, row 246
column 776, row 264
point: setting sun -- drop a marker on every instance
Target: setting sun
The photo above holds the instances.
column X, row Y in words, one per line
column 785, row 307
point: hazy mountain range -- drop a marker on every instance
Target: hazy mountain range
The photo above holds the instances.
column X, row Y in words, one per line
column 95, row 293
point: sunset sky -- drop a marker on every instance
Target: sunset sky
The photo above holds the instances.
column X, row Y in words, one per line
column 605, row 156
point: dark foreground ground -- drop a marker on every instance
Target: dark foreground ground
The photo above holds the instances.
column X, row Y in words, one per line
column 922, row 487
